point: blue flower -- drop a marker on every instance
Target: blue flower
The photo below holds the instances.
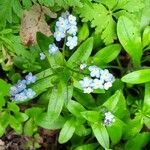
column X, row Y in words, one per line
column 97, row 84
column 30, row 78
column 72, row 30
column 13, row 90
column 42, row 56
column 21, row 85
column 20, row 97
column 109, row 119
column 72, row 20
column 58, row 35
column 86, row 82
column 94, row 71
column 62, row 24
column 71, row 41
column 53, row 49
column 29, row 93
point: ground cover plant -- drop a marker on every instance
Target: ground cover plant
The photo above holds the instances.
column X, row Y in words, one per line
column 75, row 74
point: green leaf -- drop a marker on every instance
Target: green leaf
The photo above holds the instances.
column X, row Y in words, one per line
column 15, row 124
column 87, row 147
column 146, row 36
column 44, row 74
column 4, row 88
column 83, row 32
column 137, row 77
column 147, row 94
column 81, row 54
column 57, row 100
column 67, row 131
column 133, row 127
column 115, row 131
column 91, row 116
column 133, row 5
column 146, row 121
column 44, row 121
column 75, row 108
column 67, row 3
column 2, row 130
column 138, row 142
column 82, row 131
column 116, row 104
column 129, row 36
column 29, row 127
column 101, row 134
column 100, row 18
column 84, row 99
column 13, row 107
column 107, row 54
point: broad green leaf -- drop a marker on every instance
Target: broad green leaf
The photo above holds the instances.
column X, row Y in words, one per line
column 129, row 36
column 21, row 117
column 83, row 32
column 146, row 36
column 87, row 147
column 29, row 127
column 57, row 100
column 67, row 130
column 4, row 88
column 15, row 124
column 116, row 104
column 13, row 107
column 44, row 121
column 44, row 74
column 137, row 77
column 85, row 99
column 81, row 54
column 91, row 116
column 2, row 100
column 43, row 84
column 82, row 131
column 101, row 134
column 106, row 54
column 115, row 131
column 138, row 142
column 147, row 94
column 2, row 130
column 146, row 120
column 133, row 127
column 75, row 108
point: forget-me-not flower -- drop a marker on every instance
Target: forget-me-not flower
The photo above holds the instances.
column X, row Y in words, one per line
column 58, row 35
column 71, row 41
column 29, row 93
column 53, row 49
column 109, row 119
column 30, row 78
column 20, row 96
column 42, row 56
column 94, row 71
column 21, row 85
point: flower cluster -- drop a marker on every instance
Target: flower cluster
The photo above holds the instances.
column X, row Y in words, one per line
column 99, row 79
column 20, row 92
column 66, row 26
column 109, row 118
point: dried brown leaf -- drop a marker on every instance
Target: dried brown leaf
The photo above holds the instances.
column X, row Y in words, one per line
column 33, row 21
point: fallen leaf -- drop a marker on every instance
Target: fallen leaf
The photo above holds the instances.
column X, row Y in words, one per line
column 33, row 21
